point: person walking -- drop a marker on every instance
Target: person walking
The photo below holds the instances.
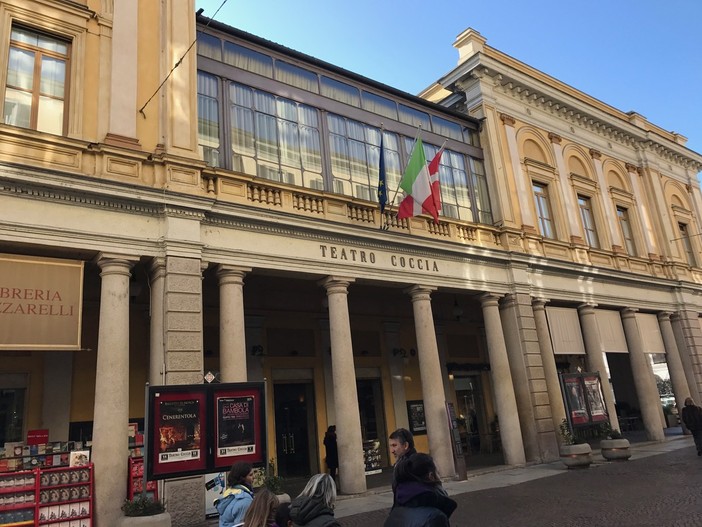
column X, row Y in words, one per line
column 331, row 450
column 237, row 497
column 262, row 511
column 314, row 507
column 402, row 447
column 421, row 500
column 692, row 417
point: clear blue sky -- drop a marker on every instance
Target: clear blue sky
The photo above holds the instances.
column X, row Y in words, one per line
column 640, row 55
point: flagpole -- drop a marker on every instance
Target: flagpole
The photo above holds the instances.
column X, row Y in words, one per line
column 392, row 202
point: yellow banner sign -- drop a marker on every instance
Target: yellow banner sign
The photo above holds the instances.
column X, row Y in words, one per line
column 41, row 302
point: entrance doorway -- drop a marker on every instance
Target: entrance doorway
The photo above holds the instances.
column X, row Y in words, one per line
column 373, row 432
column 294, row 425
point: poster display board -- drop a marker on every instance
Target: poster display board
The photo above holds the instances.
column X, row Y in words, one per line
column 238, row 425
column 582, row 395
column 202, row 428
column 417, row 420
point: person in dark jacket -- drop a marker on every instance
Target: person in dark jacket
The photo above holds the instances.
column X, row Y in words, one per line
column 402, row 447
column 692, row 417
column 332, row 450
column 314, row 507
column 420, row 500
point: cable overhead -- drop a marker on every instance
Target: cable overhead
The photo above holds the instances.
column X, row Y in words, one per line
column 199, row 11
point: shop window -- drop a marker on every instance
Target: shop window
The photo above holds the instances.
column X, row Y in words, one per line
column 37, row 81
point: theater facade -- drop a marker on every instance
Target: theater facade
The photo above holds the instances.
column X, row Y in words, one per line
column 226, row 221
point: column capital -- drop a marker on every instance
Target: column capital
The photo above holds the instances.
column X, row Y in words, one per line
column 539, row 303
column 596, row 154
column 586, row 308
column 336, row 284
column 231, row 274
column 508, row 300
column 632, row 169
column 508, row 120
column 157, row 268
column 420, row 292
column 555, row 138
column 629, row 312
column 675, row 316
column 115, row 263
column 664, row 315
column 489, row 299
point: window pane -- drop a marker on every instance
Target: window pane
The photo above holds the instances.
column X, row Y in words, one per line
column 242, row 131
column 339, row 156
column 380, row 105
column 265, row 102
column 340, row 91
column 209, row 46
column 289, row 145
column 20, row 70
column 50, row 115
column 241, row 95
column 247, row 59
column 296, row 76
column 53, row 77
column 18, row 108
column 26, row 36
column 310, row 149
column 414, row 117
column 266, row 140
column 447, row 128
column 50, row 44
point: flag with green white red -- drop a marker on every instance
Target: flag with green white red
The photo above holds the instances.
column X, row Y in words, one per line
column 420, row 194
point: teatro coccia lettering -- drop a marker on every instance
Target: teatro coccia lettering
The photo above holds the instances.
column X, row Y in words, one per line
column 346, row 254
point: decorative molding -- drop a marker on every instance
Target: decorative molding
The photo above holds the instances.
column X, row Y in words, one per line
column 508, row 120
column 596, row 154
column 555, row 138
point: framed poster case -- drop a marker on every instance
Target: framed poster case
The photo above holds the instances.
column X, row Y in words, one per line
column 584, row 402
column 239, row 424
column 417, row 419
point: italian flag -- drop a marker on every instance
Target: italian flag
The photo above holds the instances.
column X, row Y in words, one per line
column 421, row 185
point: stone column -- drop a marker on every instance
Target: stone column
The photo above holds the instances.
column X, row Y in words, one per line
column 352, row 477
column 232, row 326
column 649, row 400
column 325, row 343
column 548, row 359
column 509, row 311
column 506, row 405
column 432, row 384
column 157, row 355
column 675, row 366
column 686, row 338
column 391, row 331
column 595, row 357
column 111, row 414
column 649, row 234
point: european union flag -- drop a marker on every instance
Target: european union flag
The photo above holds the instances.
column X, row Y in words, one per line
column 382, row 182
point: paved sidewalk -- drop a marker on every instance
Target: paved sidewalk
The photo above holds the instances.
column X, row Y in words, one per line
column 500, row 476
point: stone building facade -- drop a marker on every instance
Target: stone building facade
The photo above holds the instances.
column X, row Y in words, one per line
column 226, row 218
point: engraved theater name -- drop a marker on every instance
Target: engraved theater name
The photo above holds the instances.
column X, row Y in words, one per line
column 347, row 254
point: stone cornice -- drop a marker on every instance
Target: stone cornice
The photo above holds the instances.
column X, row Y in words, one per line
column 537, row 90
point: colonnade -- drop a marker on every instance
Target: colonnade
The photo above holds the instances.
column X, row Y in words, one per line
column 112, row 378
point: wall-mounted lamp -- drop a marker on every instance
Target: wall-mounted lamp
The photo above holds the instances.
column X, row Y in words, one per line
column 257, row 350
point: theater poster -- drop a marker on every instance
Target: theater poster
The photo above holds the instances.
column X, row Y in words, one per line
column 582, row 394
column 179, row 430
column 239, row 424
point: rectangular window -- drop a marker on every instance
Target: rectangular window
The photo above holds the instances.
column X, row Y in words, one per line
column 248, row 59
column 687, row 244
column 543, row 210
column 35, row 92
column 414, row 117
column 209, row 46
column 627, row 234
column 380, row 105
column 296, row 76
column 208, row 118
column 274, row 137
column 588, row 220
column 340, row 91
